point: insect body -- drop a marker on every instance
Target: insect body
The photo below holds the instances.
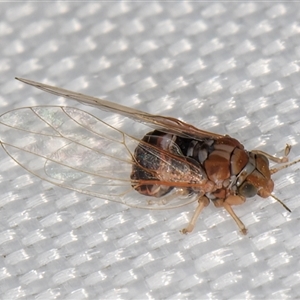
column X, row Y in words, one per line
column 171, row 166
column 220, row 170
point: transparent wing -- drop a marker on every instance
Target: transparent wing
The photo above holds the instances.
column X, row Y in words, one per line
column 73, row 149
column 167, row 124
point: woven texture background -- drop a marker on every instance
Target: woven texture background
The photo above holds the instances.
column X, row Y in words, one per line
column 225, row 67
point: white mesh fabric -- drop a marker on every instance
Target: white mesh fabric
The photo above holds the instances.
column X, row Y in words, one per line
column 231, row 68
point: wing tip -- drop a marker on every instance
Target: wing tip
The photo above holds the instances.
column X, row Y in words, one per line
column 27, row 81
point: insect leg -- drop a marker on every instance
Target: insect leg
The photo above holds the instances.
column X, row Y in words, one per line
column 278, row 160
column 232, row 200
column 202, row 202
column 235, row 217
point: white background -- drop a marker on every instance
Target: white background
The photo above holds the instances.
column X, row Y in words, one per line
column 231, row 68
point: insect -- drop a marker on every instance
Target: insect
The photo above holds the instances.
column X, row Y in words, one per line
column 173, row 165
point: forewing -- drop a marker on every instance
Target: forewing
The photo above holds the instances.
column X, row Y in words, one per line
column 166, row 124
column 73, row 149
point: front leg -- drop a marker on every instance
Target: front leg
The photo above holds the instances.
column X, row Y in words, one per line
column 278, row 160
column 232, row 200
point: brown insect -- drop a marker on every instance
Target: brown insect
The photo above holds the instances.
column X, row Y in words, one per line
column 171, row 166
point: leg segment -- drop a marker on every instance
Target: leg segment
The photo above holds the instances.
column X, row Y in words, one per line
column 202, row 202
column 278, row 160
column 232, row 200
column 235, row 218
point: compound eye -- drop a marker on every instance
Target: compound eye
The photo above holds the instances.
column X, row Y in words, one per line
column 247, row 190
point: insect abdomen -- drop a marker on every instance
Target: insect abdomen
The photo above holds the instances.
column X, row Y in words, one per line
column 160, row 166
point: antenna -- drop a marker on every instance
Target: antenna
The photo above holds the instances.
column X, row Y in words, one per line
column 281, row 203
